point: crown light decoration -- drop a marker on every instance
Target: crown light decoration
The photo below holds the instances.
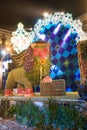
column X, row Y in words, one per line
column 22, row 39
column 60, row 17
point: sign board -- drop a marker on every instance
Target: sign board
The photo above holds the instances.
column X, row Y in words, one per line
column 54, row 88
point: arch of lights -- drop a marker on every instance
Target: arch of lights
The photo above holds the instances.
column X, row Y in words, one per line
column 63, row 33
column 21, row 39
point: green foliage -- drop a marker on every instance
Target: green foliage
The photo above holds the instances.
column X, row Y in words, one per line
column 70, row 115
column 50, row 116
column 1, row 92
column 35, row 74
column 28, row 113
column 6, row 111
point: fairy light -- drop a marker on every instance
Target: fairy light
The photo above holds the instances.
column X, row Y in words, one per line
column 22, row 39
column 45, row 14
column 75, row 25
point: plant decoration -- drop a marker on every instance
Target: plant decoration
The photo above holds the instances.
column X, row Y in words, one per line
column 7, row 111
column 83, row 47
column 41, row 53
column 29, row 114
column 17, row 60
column 50, row 116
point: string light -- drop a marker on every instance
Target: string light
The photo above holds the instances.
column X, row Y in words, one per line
column 45, row 14
column 22, row 39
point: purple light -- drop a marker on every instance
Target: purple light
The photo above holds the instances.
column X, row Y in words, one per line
column 67, row 34
column 66, row 37
column 56, row 29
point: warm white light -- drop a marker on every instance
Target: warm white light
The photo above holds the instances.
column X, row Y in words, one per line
column 20, row 39
column 8, row 49
column 75, row 25
column 45, row 14
column 30, row 29
column 62, row 13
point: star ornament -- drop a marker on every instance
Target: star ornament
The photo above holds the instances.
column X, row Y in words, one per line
column 66, row 63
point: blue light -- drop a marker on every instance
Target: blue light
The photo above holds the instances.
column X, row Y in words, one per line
column 56, row 29
column 41, row 36
column 69, row 90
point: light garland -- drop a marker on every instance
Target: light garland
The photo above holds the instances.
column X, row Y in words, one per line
column 75, row 25
column 22, row 39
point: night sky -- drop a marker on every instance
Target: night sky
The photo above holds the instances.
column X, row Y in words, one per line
column 29, row 11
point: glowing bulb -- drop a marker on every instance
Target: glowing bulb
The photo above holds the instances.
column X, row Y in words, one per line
column 3, row 52
column 62, row 13
column 30, row 29
column 41, row 36
column 57, row 29
column 45, row 14
column 39, row 20
column 8, row 49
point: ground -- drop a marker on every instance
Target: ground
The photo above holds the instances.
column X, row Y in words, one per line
column 12, row 125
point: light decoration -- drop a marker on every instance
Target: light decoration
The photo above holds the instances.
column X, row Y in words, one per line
column 66, row 36
column 3, row 52
column 56, row 29
column 41, row 36
column 45, row 14
column 5, row 65
column 66, row 63
column 59, row 17
column 21, row 39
